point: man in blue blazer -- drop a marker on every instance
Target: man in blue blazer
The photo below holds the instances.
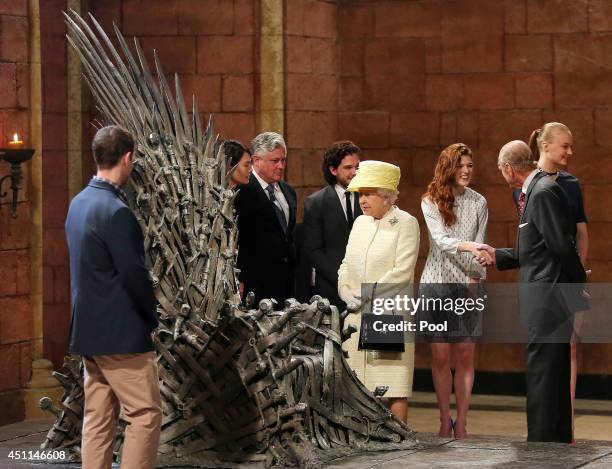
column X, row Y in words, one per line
column 113, row 311
column 328, row 219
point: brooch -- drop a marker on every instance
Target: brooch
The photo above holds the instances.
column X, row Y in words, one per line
column 393, row 221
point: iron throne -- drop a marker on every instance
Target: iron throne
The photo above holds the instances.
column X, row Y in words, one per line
column 238, row 383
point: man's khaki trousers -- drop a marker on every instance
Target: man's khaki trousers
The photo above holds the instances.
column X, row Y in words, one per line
column 132, row 382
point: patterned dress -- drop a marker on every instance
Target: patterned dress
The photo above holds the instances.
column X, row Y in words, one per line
column 445, row 264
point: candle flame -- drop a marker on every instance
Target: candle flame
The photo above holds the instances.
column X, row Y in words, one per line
column 15, row 137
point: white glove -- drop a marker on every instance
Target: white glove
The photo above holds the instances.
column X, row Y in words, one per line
column 351, row 297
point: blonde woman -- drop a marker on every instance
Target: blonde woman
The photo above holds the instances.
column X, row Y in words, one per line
column 382, row 248
column 551, row 146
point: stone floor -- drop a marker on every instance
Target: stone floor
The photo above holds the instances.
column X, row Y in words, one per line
column 497, row 423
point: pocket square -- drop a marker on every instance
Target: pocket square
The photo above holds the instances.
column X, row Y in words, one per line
column 523, row 224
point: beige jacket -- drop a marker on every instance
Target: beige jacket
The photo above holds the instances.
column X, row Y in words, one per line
column 383, row 251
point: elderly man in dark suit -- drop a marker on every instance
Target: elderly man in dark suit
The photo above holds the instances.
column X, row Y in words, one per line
column 266, row 220
column 328, row 219
column 113, row 312
column 549, row 264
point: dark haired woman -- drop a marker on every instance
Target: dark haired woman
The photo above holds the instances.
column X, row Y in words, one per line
column 456, row 218
column 240, row 163
column 551, row 146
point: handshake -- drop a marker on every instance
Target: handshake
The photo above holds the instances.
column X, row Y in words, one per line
column 483, row 253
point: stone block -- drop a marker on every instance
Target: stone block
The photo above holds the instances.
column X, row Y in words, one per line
column 350, row 94
column 601, row 272
column 55, row 251
column 556, row 16
column 55, row 170
column 205, row 17
column 324, row 56
column 176, row 54
column 366, row 129
column 433, row 55
column 307, row 129
column 12, row 404
column 582, row 64
column 351, row 58
column 51, row 18
column 448, row 128
column 320, row 19
column 497, row 232
column 8, row 273
column 600, row 15
column 22, row 77
column 468, row 126
column 221, row 54
column 402, row 57
column 16, row 320
column 295, row 166
column 488, row 91
column 15, row 232
column 472, row 36
column 528, row 53
column 599, row 241
column 54, row 100
column 312, row 92
column 244, row 23
column 8, row 86
column 400, row 93
column 311, row 167
column 14, row 7
column 207, row 91
column 423, row 163
column 294, row 17
column 534, row 90
column 55, row 131
column 53, row 55
column 515, row 16
column 443, row 92
column 61, row 284
column 23, row 272
column 238, row 93
column 498, row 128
column 55, row 207
column 235, row 125
column 150, row 17
column 414, row 129
column 597, row 202
column 9, row 369
column 355, row 20
column 25, row 363
column 14, row 38
column 485, row 167
column 298, row 54
column 407, row 19
column 603, row 127
column 47, row 284
column 591, row 164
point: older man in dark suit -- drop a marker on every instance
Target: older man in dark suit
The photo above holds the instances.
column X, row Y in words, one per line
column 266, row 220
column 549, row 264
column 328, row 219
column 113, row 312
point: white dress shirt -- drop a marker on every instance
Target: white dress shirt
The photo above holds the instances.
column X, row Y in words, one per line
column 280, row 197
column 341, row 191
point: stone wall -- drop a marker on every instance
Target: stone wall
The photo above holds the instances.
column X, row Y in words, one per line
column 417, row 76
column 16, row 330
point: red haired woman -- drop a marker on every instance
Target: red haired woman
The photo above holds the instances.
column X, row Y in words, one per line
column 456, row 218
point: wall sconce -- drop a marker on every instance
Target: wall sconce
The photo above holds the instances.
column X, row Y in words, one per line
column 15, row 155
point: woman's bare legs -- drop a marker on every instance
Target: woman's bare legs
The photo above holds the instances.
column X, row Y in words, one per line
column 399, row 407
column 464, row 381
column 443, row 383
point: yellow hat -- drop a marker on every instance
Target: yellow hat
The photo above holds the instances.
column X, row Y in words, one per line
column 376, row 174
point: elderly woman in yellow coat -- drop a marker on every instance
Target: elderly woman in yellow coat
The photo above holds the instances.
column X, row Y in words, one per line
column 382, row 248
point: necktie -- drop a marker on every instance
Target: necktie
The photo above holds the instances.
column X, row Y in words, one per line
column 279, row 212
column 521, row 204
column 349, row 209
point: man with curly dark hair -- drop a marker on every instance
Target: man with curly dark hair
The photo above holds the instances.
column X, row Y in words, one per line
column 328, row 218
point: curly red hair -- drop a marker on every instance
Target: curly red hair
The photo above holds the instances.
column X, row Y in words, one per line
column 440, row 189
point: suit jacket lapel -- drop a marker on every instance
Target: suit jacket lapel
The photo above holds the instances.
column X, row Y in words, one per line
column 333, row 202
column 292, row 205
column 532, row 185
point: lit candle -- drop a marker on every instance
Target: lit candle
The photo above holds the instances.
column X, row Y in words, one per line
column 16, row 143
